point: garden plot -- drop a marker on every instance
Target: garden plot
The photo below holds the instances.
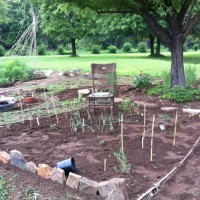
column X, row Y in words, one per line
column 57, row 127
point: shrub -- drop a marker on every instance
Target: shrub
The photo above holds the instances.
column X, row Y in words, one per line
column 180, row 94
column 96, row 49
column 2, row 50
column 14, row 71
column 142, row 81
column 142, row 47
column 61, row 50
column 127, row 47
column 190, row 76
column 196, row 47
column 112, row 49
column 42, row 49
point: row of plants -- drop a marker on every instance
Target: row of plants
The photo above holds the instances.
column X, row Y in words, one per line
column 164, row 90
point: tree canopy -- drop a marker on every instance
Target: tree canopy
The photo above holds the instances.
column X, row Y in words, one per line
column 170, row 20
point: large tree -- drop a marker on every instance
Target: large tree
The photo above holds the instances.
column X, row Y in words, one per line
column 178, row 18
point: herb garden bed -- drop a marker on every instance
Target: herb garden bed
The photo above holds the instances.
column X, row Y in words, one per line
column 56, row 138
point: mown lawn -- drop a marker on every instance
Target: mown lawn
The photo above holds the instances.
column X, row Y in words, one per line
column 127, row 64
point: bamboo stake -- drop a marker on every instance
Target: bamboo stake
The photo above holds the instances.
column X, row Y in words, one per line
column 21, row 107
column 38, row 121
column 104, row 165
column 151, row 157
column 176, row 119
column 122, row 132
column 55, row 109
column 46, row 103
column 144, row 129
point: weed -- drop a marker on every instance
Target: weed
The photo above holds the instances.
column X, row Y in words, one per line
column 124, row 167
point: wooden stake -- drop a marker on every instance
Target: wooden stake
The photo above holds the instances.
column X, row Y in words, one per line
column 30, row 117
column 46, row 103
column 151, row 157
column 144, row 129
column 38, row 121
column 104, row 165
column 122, row 132
column 21, row 107
column 176, row 119
column 55, row 109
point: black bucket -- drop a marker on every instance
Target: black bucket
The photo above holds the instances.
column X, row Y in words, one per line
column 67, row 165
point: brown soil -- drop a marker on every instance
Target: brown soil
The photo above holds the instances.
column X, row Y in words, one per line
column 42, row 144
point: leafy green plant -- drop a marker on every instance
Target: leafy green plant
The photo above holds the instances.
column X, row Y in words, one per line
column 2, row 50
column 127, row 47
column 124, row 167
column 14, row 71
column 142, row 81
column 3, row 189
column 54, row 127
column 142, row 47
column 196, row 47
column 180, row 94
column 127, row 105
column 96, row 49
column 112, row 49
column 61, row 50
column 190, row 76
column 166, row 117
column 42, row 49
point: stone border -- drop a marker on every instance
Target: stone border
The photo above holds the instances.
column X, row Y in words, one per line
column 109, row 190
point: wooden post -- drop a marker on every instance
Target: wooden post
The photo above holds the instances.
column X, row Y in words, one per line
column 21, row 107
column 122, row 132
column 144, row 129
column 176, row 119
column 151, row 157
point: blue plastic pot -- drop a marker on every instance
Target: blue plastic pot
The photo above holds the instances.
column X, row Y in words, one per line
column 67, row 165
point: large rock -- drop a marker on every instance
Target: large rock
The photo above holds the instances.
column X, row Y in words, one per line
column 115, row 186
column 31, row 167
column 58, row 175
column 4, row 157
column 44, row 171
column 17, row 159
column 73, row 180
column 192, row 112
column 88, row 186
column 116, row 194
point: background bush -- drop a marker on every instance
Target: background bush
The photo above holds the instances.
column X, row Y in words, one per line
column 196, row 47
column 42, row 49
column 15, row 71
column 61, row 50
column 112, row 49
column 2, row 50
column 142, row 47
column 96, row 49
column 127, row 47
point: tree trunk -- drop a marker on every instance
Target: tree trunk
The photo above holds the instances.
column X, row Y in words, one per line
column 151, row 39
column 177, row 68
column 158, row 47
column 73, row 42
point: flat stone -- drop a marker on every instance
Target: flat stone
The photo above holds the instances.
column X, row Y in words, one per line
column 31, row 167
column 73, row 180
column 84, row 91
column 88, row 186
column 168, row 109
column 4, row 157
column 58, row 175
column 17, row 159
column 118, row 100
column 115, row 194
column 119, row 184
column 44, row 171
column 148, row 105
column 191, row 111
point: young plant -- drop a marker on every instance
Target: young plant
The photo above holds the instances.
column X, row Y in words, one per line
column 124, row 167
column 54, row 127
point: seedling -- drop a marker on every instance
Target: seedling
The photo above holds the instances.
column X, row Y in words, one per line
column 124, row 167
column 53, row 127
column 166, row 117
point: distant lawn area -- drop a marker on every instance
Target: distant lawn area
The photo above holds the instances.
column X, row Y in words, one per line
column 127, row 64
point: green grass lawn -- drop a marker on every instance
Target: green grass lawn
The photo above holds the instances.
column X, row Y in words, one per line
column 127, row 64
